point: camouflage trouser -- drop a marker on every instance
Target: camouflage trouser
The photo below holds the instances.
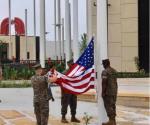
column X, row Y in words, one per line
column 68, row 99
column 41, row 110
column 110, row 105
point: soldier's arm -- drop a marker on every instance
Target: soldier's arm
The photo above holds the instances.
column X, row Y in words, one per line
column 104, row 82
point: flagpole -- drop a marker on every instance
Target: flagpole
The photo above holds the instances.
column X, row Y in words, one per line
column 55, row 29
column 75, row 31
column 89, row 18
column 34, row 9
column 10, row 44
column 26, row 39
column 101, row 53
column 59, row 28
column 34, row 18
column 63, row 54
column 67, row 31
column 42, row 34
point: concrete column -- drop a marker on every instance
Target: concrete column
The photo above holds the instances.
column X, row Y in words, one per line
column 67, row 32
column 89, row 19
column 42, row 34
column 58, row 29
column 75, row 31
column 101, row 53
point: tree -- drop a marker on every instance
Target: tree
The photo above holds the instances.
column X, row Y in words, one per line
column 83, row 43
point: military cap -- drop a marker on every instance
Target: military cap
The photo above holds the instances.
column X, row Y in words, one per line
column 37, row 66
column 105, row 61
column 70, row 61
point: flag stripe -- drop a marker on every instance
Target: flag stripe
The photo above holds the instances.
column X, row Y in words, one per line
column 74, row 91
column 80, row 82
column 79, row 90
column 77, row 77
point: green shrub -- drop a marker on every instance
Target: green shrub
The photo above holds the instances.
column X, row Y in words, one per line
column 21, row 72
column 14, row 73
column 131, row 75
column 60, row 67
column 6, row 72
column 14, row 85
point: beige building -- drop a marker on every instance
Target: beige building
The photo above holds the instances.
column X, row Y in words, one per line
column 124, row 31
column 16, row 48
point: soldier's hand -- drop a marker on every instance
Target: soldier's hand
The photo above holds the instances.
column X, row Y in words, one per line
column 53, row 99
column 53, row 78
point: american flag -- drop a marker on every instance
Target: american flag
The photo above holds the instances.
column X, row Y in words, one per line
column 80, row 77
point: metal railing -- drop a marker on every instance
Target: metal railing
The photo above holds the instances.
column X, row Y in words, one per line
column 30, row 63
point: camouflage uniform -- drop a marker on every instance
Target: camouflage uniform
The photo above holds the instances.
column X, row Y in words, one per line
column 68, row 99
column 41, row 100
column 110, row 92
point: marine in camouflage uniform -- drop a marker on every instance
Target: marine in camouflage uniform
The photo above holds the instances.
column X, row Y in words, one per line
column 109, row 91
column 41, row 100
column 68, row 99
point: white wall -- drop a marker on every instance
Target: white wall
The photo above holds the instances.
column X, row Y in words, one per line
column 50, row 49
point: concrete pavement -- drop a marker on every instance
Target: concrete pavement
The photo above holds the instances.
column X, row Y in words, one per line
column 16, row 108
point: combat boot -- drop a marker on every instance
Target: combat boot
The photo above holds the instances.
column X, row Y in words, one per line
column 111, row 121
column 74, row 119
column 64, row 120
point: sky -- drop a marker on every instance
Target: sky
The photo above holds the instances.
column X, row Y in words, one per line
column 18, row 10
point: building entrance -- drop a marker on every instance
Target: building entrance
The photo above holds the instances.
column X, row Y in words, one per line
column 143, row 14
column 3, row 51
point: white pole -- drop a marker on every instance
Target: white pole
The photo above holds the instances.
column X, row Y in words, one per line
column 55, row 29
column 70, row 42
column 34, row 16
column 75, row 31
column 34, row 9
column 42, row 34
column 68, row 32
column 10, row 45
column 26, row 39
column 89, row 19
column 59, row 29
column 101, row 53
column 63, row 38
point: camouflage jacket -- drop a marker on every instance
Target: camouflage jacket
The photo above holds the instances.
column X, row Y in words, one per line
column 112, row 87
column 40, row 88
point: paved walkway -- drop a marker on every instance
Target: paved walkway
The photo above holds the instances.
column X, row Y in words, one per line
column 17, row 109
column 126, row 116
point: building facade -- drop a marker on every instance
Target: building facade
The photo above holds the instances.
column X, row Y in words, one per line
column 128, row 36
column 127, row 20
column 15, row 47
